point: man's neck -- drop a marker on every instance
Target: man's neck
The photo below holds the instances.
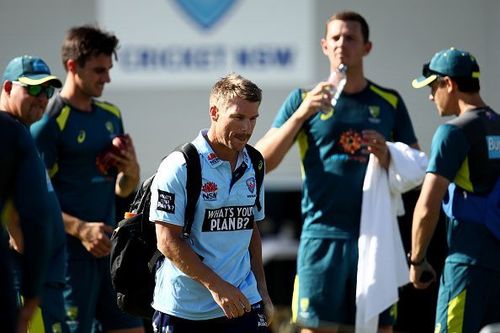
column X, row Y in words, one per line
column 75, row 98
column 470, row 102
column 356, row 80
column 355, row 85
column 223, row 152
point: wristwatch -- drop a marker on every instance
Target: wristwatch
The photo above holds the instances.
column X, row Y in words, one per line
column 414, row 263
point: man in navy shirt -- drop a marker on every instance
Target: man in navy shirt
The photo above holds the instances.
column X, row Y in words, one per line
column 72, row 135
column 23, row 184
column 27, row 87
column 463, row 173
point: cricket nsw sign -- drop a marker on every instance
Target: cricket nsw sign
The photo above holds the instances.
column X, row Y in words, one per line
column 194, row 42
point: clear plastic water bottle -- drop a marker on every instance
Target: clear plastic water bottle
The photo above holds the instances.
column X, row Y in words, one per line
column 338, row 79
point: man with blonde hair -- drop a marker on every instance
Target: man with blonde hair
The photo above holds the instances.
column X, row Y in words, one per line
column 214, row 281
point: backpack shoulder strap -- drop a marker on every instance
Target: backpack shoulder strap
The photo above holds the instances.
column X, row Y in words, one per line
column 258, row 165
column 142, row 197
column 193, row 184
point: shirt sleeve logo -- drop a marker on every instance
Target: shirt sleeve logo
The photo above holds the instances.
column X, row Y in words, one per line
column 493, row 142
column 166, row 202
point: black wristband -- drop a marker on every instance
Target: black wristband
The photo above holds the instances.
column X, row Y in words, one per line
column 414, row 263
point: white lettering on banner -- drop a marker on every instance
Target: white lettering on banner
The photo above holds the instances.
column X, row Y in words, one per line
column 245, row 211
column 231, row 223
column 195, row 41
column 173, row 58
column 178, row 58
column 265, row 57
column 228, row 219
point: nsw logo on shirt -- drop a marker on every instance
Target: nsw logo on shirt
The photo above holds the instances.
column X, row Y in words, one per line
column 166, row 202
column 493, row 143
column 209, row 191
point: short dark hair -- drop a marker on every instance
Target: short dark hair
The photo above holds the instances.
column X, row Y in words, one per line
column 351, row 16
column 234, row 86
column 467, row 84
column 83, row 42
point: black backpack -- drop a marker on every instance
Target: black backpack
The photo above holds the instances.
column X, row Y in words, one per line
column 134, row 254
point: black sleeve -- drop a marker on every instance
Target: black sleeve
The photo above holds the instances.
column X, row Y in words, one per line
column 30, row 198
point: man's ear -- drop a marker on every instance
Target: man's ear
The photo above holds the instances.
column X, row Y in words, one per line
column 450, row 84
column 368, row 47
column 214, row 113
column 71, row 65
column 7, row 86
column 324, row 46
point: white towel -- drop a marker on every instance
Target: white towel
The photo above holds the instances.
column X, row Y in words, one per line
column 382, row 266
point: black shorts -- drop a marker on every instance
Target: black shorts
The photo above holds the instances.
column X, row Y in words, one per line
column 254, row 321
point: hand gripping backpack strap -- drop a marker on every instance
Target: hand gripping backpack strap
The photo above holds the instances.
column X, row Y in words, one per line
column 193, row 184
column 258, row 166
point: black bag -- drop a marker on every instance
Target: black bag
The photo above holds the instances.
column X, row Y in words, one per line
column 133, row 244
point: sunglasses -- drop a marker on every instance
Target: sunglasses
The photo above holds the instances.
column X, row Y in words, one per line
column 35, row 91
column 426, row 71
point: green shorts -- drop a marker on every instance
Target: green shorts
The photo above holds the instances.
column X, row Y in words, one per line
column 469, row 298
column 325, row 286
column 89, row 295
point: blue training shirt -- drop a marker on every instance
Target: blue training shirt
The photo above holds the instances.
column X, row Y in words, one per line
column 332, row 157
column 69, row 140
column 221, row 232
column 57, row 271
column 462, row 152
